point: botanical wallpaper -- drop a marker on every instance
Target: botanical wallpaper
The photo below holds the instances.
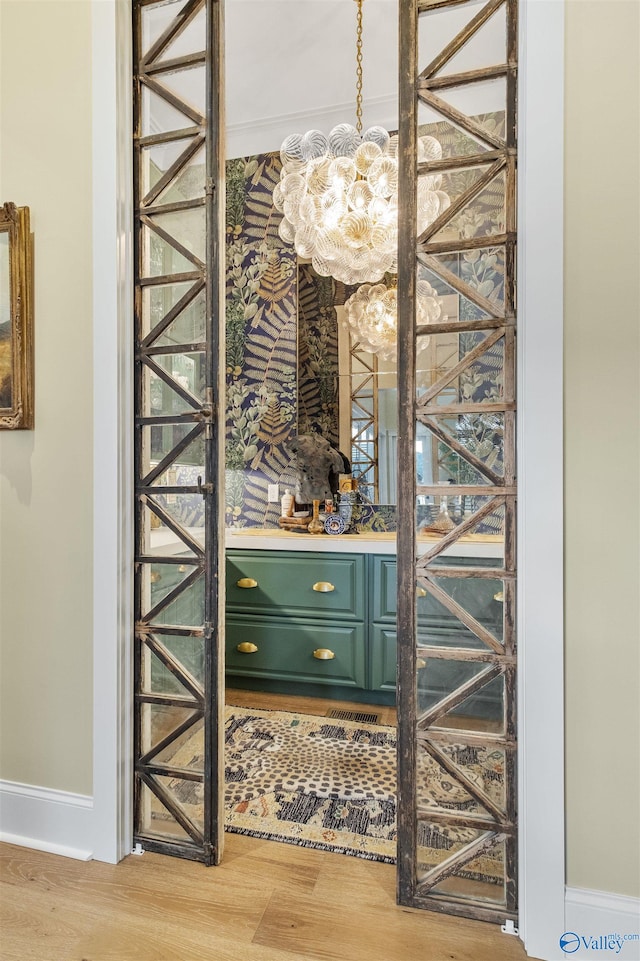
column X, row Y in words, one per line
column 318, row 355
column 268, row 298
column 261, row 350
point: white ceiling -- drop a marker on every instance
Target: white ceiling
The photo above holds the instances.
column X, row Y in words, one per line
column 291, row 65
column 294, row 61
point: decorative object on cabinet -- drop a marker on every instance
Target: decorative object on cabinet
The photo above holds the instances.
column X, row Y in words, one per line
column 295, row 523
column 317, row 466
column 287, row 504
column 335, row 524
column 316, row 526
column 16, row 318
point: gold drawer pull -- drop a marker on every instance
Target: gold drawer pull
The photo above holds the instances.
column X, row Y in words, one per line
column 247, row 647
column 324, row 587
column 323, row 654
column 246, row 582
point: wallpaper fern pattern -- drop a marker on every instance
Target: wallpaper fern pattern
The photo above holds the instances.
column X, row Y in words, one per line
column 261, row 349
column 268, row 297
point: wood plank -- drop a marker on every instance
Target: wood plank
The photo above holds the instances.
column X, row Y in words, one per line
column 299, row 704
column 266, row 902
column 335, row 930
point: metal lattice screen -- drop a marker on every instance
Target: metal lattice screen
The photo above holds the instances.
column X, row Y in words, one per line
column 457, row 497
column 177, row 167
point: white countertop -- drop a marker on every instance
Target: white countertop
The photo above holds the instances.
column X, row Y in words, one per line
column 472, row 545
column 164, row 542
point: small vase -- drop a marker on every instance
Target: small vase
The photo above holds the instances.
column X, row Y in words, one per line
column 315, row 524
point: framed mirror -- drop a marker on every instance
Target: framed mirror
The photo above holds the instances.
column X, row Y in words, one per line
column 16, row 318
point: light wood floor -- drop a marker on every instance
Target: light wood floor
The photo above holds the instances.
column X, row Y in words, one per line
column 305, row 705
column 265, row 902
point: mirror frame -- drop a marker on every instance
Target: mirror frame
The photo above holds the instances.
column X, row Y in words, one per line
column 15, row 222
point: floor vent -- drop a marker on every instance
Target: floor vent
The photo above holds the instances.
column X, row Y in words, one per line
column 360, row 716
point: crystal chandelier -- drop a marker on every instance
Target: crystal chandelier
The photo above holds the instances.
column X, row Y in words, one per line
column 339, row 195
column 372, row 312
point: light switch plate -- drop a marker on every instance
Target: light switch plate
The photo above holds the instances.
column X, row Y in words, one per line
column 273, row 493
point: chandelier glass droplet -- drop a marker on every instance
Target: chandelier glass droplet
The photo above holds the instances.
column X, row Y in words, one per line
column 338, row 195
column 371, row 316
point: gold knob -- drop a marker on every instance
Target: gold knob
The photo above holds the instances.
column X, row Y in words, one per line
column 247, row 647
column 499, row 597
column 420, row 592
column 323, row 654
column 246, row 582
column 324, row 587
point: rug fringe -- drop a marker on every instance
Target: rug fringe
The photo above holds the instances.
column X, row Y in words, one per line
column 315, row 845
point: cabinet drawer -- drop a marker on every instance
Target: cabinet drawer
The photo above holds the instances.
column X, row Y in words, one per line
column 476, row 595
column 382, row 671
column 283, row 583
column 285, row 650
column 383, row 588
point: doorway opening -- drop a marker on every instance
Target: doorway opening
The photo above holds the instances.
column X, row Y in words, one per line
column 456, row 482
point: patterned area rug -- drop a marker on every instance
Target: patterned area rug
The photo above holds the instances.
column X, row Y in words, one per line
column 328, row 783
column 312, row 781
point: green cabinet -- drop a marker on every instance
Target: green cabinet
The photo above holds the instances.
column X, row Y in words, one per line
column 310, row 651
column 299, row 622
column 297, row 584
column 437, row 627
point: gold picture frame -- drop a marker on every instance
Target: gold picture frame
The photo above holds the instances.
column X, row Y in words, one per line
column 16, row 318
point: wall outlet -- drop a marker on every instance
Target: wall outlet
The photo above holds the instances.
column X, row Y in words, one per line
column 273, row 493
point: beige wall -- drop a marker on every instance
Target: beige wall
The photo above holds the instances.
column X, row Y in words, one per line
column 46, row 475
column 602, row 456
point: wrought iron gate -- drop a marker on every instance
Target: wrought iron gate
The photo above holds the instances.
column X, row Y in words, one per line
column 456, row 549
column 178, row 172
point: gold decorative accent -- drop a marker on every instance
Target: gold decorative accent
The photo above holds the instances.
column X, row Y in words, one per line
column 246, row 582
column 420, row 663
column 323, row 654
column 182, row 568
column 315, row 524
column 323, row 587
column 499, row 597
column 16, row 297
column 155, row 577
column 420, row 592
column 247, row 647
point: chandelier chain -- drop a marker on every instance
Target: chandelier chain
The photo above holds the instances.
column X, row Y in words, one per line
column 359, row 69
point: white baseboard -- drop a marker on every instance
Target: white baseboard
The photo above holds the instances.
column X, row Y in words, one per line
column 594, row 916
column 58, row 822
